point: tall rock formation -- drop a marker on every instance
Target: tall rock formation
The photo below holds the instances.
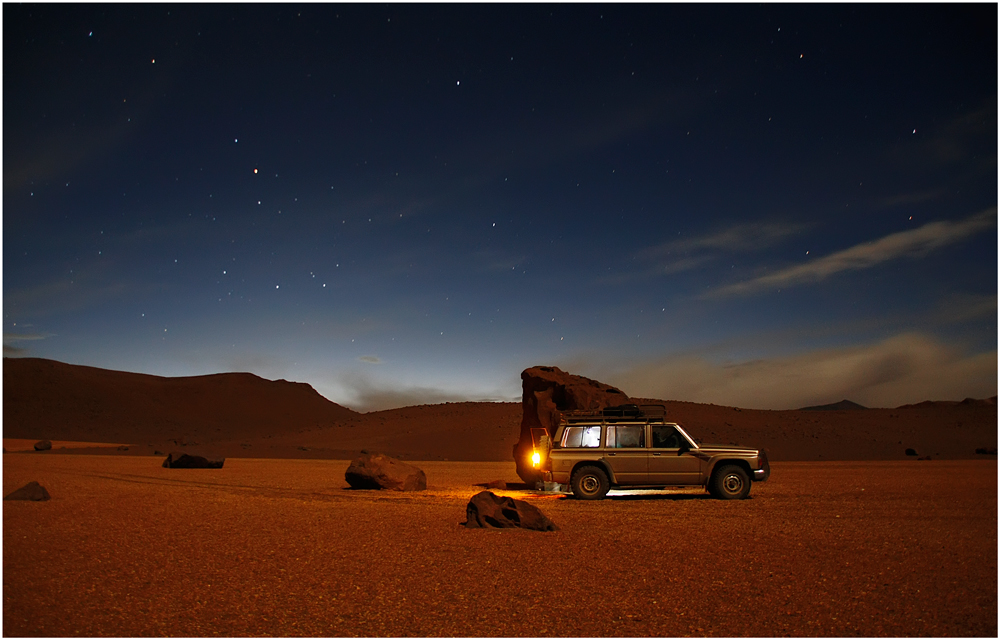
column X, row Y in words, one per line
column 547, row 392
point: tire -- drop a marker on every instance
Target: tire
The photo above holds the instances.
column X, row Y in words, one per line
column 729, row 482
column 590, row 483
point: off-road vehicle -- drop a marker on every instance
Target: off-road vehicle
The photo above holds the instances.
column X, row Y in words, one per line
column 635, row 446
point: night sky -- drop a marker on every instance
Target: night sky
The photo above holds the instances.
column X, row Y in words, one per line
column 761, row 206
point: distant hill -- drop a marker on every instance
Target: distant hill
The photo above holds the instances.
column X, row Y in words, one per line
column 45, row 398
column 243, row 415
column 843, row 405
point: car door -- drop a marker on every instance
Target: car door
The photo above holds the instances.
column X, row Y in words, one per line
column 669, row 462
column 625, row 452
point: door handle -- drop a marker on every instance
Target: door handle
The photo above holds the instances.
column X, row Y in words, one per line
column 611, row 454
column 656, row 454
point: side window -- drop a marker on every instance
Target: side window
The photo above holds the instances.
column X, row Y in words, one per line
column 627, row 436
column 666, row 437
column 582, row 436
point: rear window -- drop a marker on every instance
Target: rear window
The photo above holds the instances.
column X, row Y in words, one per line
column 582, row 436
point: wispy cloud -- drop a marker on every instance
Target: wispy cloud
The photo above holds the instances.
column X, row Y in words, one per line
column 370, row 359
column 11, row 350
column 686, row 254
column 362, row 392
column 903, row 369
column 914, row 243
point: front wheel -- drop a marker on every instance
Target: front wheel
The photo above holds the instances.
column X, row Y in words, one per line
column 590, row 483
column 729, row 482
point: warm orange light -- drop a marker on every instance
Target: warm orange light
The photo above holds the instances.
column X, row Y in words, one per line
column 255, row 171
column 536, row 459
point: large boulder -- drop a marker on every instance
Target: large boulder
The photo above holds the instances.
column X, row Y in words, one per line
column 43, row 445
column 177, row 460
column 487, row 510
column 379, row 471
column 547, row 392
column 31, row 491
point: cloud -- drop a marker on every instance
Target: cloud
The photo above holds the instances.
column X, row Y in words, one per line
column 11, row 350
column 903, row 369
column 362, row 393
column 677, row 256
column 370, row 359
column 743, row 237
column 914, row 243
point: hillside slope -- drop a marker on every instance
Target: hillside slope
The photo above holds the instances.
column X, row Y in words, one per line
column 44, row 398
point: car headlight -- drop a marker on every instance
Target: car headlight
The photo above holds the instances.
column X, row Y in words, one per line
column 536, row 459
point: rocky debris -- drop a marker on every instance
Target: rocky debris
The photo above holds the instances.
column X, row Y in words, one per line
column 177, row 460
column 487, row 510
column 911, row 452
column 31, row 491
column 123, row 448
column 925, row 458
column 496, row 484
column 43, row 445
column 379, row 471
column 547, row 392
column 983, row 451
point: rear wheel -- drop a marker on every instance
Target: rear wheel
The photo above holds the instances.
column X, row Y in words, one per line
column 729, row 482
column 590, row 483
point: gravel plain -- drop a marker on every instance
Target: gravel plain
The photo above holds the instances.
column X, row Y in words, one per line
column 269, row 547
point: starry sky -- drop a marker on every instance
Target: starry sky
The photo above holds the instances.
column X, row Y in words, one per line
column 761, row 206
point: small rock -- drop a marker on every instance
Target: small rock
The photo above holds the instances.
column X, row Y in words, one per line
column 487, row 510
column 911, row 452
column 31, row 491
column 43, row 445
column 378, row 471
column 123, row 448
column 496, row 484
column 187, row 461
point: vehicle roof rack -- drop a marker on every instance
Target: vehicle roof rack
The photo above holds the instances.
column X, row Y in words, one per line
column 621, row 411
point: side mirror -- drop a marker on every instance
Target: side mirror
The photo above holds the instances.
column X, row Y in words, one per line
column 684, row 448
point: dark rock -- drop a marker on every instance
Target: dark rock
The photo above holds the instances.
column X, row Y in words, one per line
column 378, row 471
column 30, row 491
column 983, row 451
column 496, row 484
column 925, row 458
column 123, row 448
column 157, row 452
column 177, row 460
column 547, row 392
column 911, row 452
column 43, row 445
column 489, row 511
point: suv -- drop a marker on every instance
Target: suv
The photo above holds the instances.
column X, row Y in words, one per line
column 633, row 446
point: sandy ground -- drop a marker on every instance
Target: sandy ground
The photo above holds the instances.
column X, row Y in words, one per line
column 283, row 548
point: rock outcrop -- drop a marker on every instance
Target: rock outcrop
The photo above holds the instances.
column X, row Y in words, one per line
column 43, row 445
column 547, row 392
column 177, row 460
column 378, row 471
column 31, row 491
column 487, row 510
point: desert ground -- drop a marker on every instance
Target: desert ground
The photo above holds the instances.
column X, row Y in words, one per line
column 284, row 548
